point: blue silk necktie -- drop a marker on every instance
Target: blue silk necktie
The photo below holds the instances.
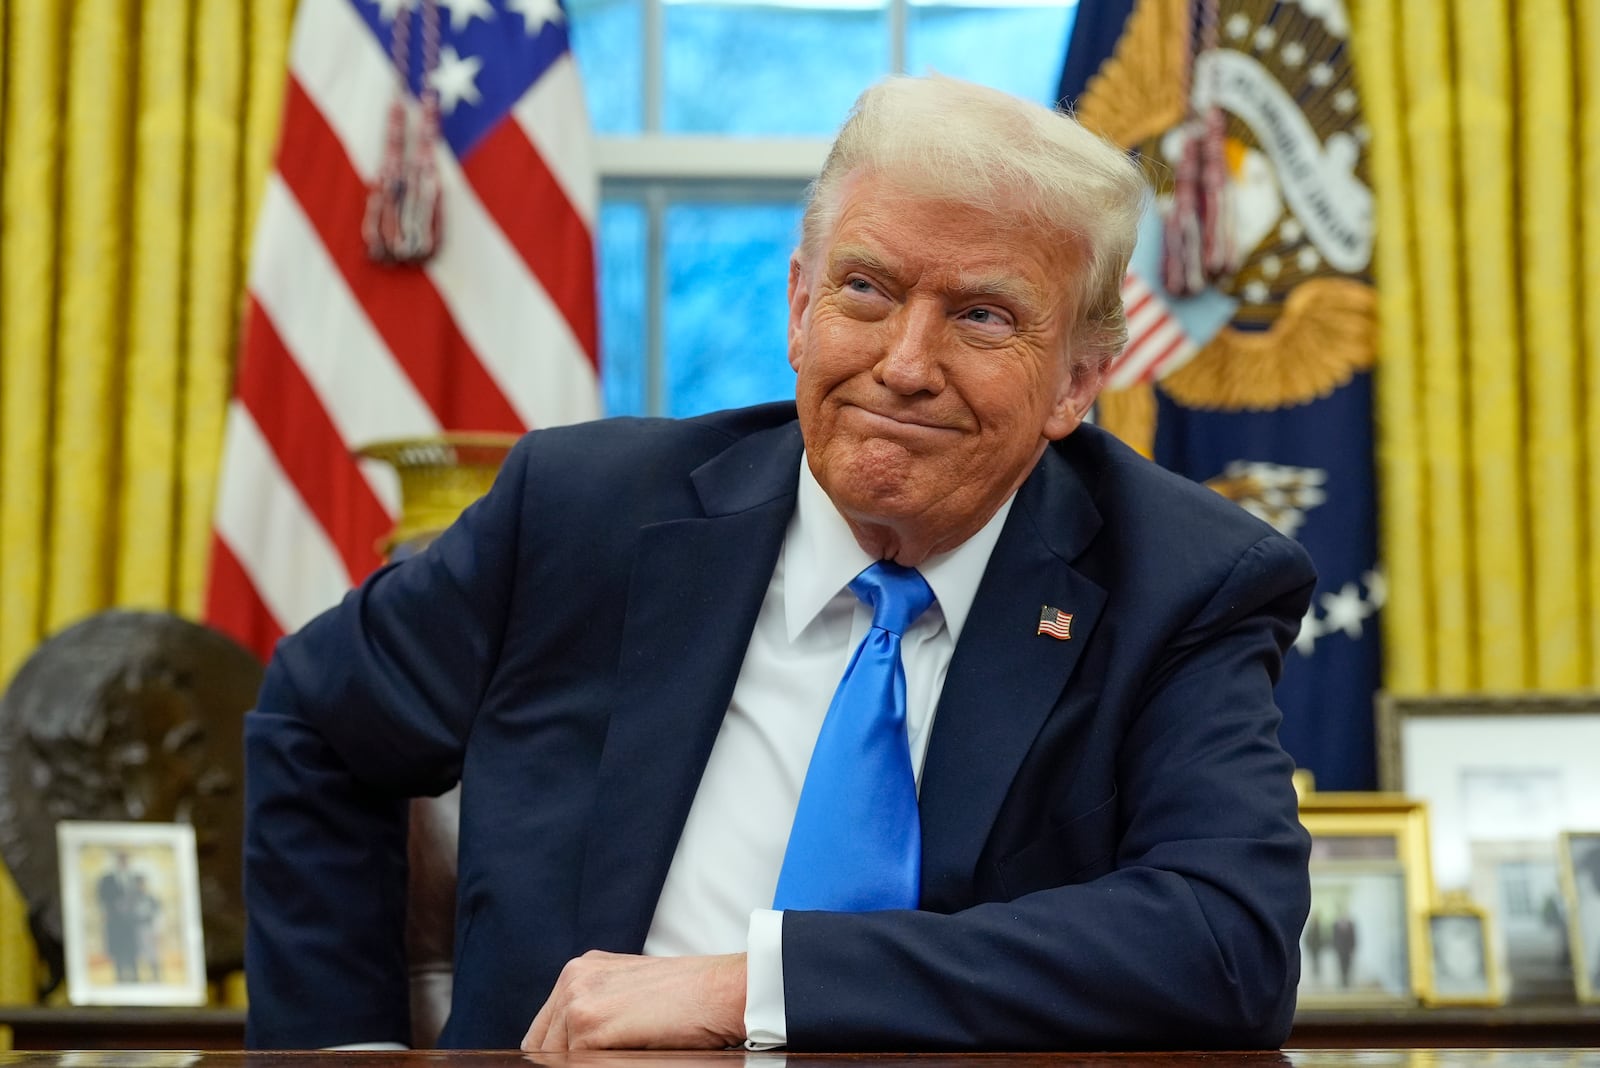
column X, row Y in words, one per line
column 856, row 843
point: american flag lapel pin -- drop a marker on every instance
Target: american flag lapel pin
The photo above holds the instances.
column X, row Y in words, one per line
column 1054, row 622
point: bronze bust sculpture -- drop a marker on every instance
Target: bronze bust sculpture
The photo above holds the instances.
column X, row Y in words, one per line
column 128, row 716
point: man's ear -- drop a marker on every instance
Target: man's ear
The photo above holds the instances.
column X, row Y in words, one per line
column 799, row 302
column 1073, row 401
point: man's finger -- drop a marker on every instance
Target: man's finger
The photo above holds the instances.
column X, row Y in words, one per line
column 533, row 1041
column 556, row 1039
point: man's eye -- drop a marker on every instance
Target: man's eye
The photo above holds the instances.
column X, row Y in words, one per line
column 859, row 285
column 986, row 317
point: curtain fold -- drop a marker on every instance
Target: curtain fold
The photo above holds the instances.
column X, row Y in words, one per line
column 35, row 36
column 1486, row 149
column 136, row 137
column 218, row 241
column 1484, row 115
column 92, row 297
column 1546, row 169
column 1587, row 36
column 149, row 459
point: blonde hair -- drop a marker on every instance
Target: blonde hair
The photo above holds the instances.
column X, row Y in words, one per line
column 951, row 139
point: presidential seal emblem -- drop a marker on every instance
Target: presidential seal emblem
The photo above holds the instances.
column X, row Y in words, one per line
column 1250, row 288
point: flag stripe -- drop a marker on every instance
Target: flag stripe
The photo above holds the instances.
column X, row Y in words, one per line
column 368, row 397
column 522, row 195
column 309, row 449
column 547, row 120
column 400, row 301
column 1137, row 356
column 1179, row 346
column 506, row 314
column 233, row 605
column 271, row 532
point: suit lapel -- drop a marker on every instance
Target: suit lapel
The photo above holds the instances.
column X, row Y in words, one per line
column 697, row 588
column 1005, row 677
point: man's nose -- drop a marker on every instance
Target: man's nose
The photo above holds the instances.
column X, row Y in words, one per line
column 911, row 362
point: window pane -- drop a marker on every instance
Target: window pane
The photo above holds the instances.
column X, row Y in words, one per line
column 727, row 304
column 1018, row 49
column 783, row 71
column 608, row 40
column 623, row 247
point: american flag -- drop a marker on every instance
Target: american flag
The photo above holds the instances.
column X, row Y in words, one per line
column 496, row 332
column 1157, row 341
column 1054, row 622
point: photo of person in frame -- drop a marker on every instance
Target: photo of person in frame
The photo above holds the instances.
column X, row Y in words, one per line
column 1354, row 943
column 115, row 892
column 1585, row 853
column 1459, row 958
column 131, row 914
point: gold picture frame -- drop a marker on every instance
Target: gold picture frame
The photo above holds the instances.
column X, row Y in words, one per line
column 1365, row 942
column 1579, row 864
column 1462, row 968
column 1492, row 768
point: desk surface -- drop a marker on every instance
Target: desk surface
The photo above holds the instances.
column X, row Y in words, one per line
column 1370, row 1058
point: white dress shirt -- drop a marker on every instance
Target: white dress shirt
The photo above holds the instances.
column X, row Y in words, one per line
column 719, row 889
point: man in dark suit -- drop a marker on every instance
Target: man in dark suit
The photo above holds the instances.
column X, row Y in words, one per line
column 118, row 911
column 625, row 654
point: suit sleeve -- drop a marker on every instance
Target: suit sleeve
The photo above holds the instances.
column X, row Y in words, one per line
column 1190, row 941
column 368, row 705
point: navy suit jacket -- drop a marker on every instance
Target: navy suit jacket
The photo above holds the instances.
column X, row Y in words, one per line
column 1111, row 850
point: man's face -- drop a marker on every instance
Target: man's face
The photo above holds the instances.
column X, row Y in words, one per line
column 930, row 341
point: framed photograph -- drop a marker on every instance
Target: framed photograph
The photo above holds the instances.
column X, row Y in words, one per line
column 1580, row 880
column 1492, row 769
column 130, row 910
column 1462, row 969
column 1518, row 883
column 1365, row 942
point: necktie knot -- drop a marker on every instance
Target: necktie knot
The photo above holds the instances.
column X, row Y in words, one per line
column 898, row 595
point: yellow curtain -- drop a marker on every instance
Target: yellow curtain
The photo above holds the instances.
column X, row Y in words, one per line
column 135, row 138
column 1486, row 157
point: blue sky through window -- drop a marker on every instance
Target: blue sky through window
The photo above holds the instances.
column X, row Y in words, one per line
column 754, row 70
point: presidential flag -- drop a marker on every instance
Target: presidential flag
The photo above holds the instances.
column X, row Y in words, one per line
column 423, row 263
column 1251, row 310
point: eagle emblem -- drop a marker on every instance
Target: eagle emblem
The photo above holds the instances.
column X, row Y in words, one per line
column 1247, row 120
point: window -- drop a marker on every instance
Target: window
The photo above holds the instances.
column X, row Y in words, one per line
column 711, row 118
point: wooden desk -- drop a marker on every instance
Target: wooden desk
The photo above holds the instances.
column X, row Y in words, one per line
column 1507, row 1025
column 1375, row 1058
column 36, row 1028
column 1549, row 1026
column 40, row 1028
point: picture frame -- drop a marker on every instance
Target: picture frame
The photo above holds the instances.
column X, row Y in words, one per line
column 130, row 910
column 1518, row 883
column 1365, row 941
column 1491, row 768
column 1462, row 964
column 1579, row 864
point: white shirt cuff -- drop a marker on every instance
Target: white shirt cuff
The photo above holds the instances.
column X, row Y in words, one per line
column 765, row 1025
column 369, row 1045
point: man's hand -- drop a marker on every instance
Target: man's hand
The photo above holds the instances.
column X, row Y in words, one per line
column 620, row 1001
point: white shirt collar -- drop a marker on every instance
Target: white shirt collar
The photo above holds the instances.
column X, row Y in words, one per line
column 821, row 556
